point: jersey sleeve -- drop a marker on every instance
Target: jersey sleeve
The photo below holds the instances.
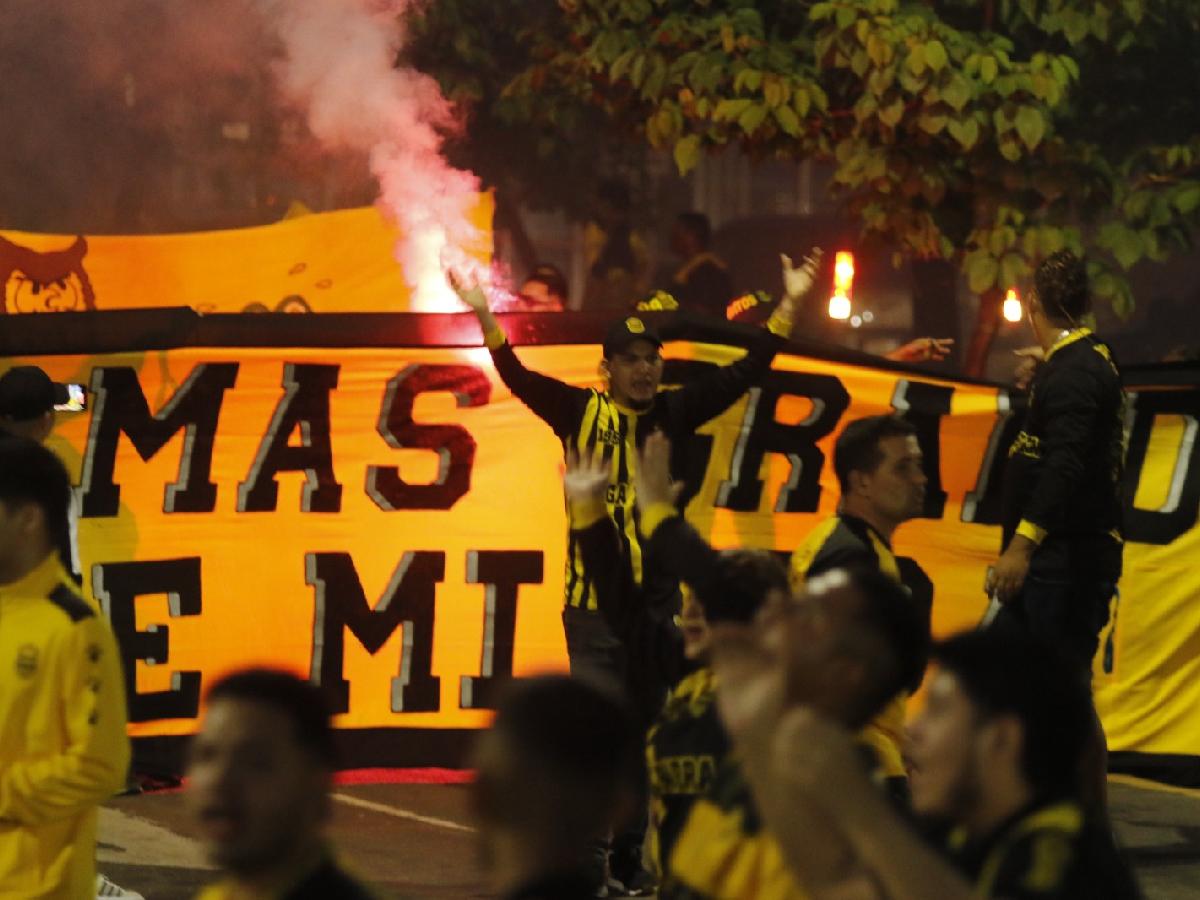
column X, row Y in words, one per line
column 85, row 671
column 709, row 396
column 555, row 402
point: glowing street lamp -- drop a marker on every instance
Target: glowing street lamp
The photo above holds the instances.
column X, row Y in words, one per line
column 1012, row 306
column 843, row 285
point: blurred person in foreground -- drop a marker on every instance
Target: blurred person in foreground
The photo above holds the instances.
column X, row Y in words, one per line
column 259, row 779
column 686, row 743
column 552, row 773
column 879, row 467
column 845, row 644
column 994, row 753
column 63, row 747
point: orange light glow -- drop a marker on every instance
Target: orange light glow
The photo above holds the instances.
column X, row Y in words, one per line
column 839, row 306
column 1012, row 306
column 843, row 285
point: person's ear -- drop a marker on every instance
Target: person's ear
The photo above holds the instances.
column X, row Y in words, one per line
column 859, row 482
column 1004, row 739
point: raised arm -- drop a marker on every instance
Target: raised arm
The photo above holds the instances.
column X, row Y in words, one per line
column 693, row 405
column 554, row 402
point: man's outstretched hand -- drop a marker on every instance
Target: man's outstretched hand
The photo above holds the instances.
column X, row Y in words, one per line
column 798, row 280
column 586, row 476
column 652, row 481
column 469, row 290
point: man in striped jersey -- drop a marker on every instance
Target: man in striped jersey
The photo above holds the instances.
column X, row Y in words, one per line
column 619, row 417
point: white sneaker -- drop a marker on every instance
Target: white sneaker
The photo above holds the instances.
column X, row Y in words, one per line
column 106, row 888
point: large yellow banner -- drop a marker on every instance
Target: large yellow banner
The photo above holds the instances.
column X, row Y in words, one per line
column 389, row 521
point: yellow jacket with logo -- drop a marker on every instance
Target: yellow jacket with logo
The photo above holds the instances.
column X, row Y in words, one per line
column 63, row 746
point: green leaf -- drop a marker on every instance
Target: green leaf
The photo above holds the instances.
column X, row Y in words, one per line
column 687, row 153
column 802, row 101
column 1031, row 126
column 965, row 132
column 931, row 123
column 957, row 93
column 621, row 65
column 748, row 80
column 752, row 118
column 935, row 55
column 988, row 69
column 1122, row 242
column 890, row 114
column 1187, row 199
column 846, row 15
column 982, row 271
column 916, row 60
column 731, row 110
column 788, row 120
column 1012, row 269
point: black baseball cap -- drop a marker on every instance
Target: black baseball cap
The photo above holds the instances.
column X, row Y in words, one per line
column 625, row 331
column 27, row 392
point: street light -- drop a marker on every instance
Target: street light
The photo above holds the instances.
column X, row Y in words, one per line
column 1012, row 306
column 843, row 285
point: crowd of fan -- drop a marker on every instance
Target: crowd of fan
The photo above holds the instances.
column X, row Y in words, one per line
column 759, row 725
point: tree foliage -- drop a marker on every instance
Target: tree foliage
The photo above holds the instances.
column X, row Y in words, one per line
column 987, row 132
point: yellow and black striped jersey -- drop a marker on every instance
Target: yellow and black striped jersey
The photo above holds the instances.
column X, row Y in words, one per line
column 1048, row 851
column 586, row 417
column 844, row 541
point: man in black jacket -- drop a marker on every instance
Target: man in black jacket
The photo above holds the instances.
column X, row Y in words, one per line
column 1062, row 535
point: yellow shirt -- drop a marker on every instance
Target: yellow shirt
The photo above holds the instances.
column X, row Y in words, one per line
column 63, row 746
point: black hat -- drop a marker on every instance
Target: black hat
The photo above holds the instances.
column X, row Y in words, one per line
column 625, row 331
column 27, row 392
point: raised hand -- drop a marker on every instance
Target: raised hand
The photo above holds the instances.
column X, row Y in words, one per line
column 652, row 481
column 469, row 290
column 586, row 477
column 798, row 280
column 923, row 349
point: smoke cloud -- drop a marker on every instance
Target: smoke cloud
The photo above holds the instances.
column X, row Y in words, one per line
column 339, row 64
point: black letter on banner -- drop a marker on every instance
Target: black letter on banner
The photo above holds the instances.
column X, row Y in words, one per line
column 120, row 406
column 117, row 587
column 305, row 404
column 924, row 405
column 984, row 504
column 762, row 434
column 1179, row 511
column 454, row 445
column 501, row 571
column 407, row 602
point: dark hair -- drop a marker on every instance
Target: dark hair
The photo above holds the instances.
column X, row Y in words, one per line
column 300, row 701
column 1061, row 283
column 574, row 730
column 551, row 276
column 697, row 225
column 29, row 473
column 746, row 577
column 893, row 618
column 1012, row 674
column 857, row 447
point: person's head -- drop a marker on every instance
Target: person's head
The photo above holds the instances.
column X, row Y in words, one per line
column 690, row 235
column 259, row 771
column 555, row 770
column 1061, row 296
column 632, row 363
column 35, row 492
column 27, row 399
column 544, row 290
column 878, row 463
column 852, row 639
column 748, row 578
column 1004, row 719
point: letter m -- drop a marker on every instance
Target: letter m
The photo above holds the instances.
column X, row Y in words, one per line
column 120, row 406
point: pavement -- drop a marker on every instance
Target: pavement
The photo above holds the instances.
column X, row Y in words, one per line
column 416, row 840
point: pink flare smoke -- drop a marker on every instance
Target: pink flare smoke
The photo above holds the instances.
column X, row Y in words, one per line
column 339, row 65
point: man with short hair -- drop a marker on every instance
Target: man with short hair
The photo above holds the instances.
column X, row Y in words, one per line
column 878, row 463
column 544, row 290
column 994, row 755
column 553, row 771
column 259, row 777
column 63, row 747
